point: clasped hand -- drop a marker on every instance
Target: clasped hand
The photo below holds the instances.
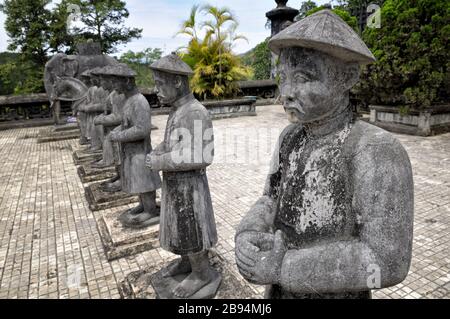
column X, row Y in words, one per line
column 259, row 256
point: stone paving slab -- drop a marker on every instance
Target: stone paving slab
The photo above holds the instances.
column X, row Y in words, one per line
column 50, row 246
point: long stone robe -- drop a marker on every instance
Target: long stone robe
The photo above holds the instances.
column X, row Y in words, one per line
column 344, row 202
column 135, row 144
column 187, row 222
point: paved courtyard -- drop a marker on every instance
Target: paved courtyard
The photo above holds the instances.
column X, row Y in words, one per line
column 50, row 246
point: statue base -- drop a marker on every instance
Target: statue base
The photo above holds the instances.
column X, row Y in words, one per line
column 164, row 287
column 65, row 127
column 120, row 242
column 100, row 200
column 89, row 174
column 49, row 135
column 84, row 156
column 149, row 284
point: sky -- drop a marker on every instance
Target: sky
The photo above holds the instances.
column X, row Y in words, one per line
column 161, row 19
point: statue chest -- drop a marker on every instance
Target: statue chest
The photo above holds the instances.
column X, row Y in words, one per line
column 314, row 202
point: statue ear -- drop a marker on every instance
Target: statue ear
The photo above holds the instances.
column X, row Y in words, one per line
column 351, row 75
column 178, row 82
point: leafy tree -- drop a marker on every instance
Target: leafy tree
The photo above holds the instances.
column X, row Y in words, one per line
column 26, row 25
column 413, row 55
column 140, row 63
column 216, row 68
column 36, row 32
column 305, row 8
column 259, row 59
column 104, row 22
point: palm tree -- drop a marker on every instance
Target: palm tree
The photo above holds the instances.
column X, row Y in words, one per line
column 216, row 68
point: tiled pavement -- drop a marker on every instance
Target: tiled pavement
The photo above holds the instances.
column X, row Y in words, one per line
column 50, row 246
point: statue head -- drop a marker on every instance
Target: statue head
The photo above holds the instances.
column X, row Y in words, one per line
column 171, row 77
column 319, row 59
column 313, row 84
column 118, row 77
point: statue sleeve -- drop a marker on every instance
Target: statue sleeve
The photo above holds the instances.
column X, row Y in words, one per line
column 379, row 254
column 140, row 124
column 192, row 145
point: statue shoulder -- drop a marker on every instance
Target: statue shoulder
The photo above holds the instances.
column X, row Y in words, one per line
column 371, row 142
column 138, row 101
column 288, row 132
column 197, row 110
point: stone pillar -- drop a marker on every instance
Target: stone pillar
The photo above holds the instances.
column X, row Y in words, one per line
column 373, row 114
column 424, row 123
column 280, row 17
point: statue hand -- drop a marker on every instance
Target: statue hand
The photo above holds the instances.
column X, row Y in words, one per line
column 259, row 256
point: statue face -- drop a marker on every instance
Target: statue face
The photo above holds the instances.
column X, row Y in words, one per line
column 105, row 83
column 312, row 84
column 95, row 80
column 168, row 87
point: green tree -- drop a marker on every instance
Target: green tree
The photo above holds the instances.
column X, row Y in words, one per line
column 305, row 8
column 103, row 21
column 26, row 25
column 413, row 55
column 216, row 68
column 140, row 62
column 259, row 59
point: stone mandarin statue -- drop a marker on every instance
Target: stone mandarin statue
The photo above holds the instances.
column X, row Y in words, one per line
column 337, row 207
column 135, row 144
column 187, row 226
column 111, row 120
column 94, row 106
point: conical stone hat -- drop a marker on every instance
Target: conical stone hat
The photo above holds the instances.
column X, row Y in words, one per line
column 324, row 31
column 119, row 70
column 172, row 63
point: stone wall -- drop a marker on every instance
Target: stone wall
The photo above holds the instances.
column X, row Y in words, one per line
column 435, row 120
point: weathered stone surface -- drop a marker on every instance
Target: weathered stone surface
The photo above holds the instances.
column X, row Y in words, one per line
column 99, row 200
column 138, row 285
column 336, row 216
column 119, row 241
column 231, row 108
column 89, row 174
column 427, row 122
column 133, row 137
column 50, row 198
column 84, row 156
column 188, row 226
column 326, row 32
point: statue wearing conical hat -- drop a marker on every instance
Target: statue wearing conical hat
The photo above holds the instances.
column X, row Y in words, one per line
column 134, row 139
column 336, row 216
column 94, row 106
column 187, row 226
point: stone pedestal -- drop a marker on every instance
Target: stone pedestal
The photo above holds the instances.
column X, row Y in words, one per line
column 140, row 284
column 65, row 127
column 122, row 242
column 83, row 156
column 57, row 134
column 100, row 200
column 89, row 174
